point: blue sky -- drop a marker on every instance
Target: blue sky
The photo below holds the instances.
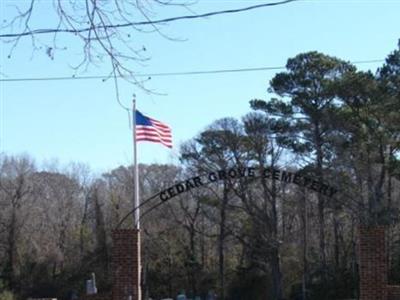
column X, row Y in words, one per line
column 80, row 120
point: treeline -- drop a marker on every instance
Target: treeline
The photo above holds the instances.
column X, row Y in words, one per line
column 242, row 238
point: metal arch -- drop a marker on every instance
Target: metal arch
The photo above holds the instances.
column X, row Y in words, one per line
column 217, row 179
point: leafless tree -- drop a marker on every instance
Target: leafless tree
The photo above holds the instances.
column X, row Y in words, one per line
column 107, row 30
column 15, row 188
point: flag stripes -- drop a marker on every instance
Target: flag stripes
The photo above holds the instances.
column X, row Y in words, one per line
column 151, row 130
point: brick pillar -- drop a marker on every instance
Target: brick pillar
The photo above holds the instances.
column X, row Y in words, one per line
column 373, row 264
column 126, row 264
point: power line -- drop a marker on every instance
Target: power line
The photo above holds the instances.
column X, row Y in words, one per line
column 162, row 74
column 166, row 74
column 151, row 22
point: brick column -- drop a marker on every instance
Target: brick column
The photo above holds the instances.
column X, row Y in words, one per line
column 373, row 265
column 126, row 264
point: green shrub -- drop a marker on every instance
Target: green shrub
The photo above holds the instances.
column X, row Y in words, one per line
column 7, row 295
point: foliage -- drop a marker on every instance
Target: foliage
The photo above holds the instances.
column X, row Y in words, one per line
column 7, row 295
column 244, row 238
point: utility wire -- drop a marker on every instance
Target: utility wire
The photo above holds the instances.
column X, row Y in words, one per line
column 167, row 20
column 167, row 74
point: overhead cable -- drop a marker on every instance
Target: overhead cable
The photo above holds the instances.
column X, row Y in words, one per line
column 167, row 74
column 142, row 23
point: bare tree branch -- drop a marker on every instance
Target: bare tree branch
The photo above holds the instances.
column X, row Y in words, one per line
column 148, row 22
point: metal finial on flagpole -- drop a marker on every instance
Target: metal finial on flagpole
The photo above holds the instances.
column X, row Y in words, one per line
column 136, row 201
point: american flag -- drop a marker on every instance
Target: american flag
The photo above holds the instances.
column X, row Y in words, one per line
column 148, row 129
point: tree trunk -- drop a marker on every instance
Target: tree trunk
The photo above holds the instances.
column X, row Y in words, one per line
column 10, row 269
column 276, row 273
column 82, row 228
column 336, row 237
column 101, row 235
column 193, row 260
column 305, row 244
column 221, row 243
column 321, row 203
column 275, row 255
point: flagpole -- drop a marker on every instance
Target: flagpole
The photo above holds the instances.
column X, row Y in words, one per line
column 136, row 201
